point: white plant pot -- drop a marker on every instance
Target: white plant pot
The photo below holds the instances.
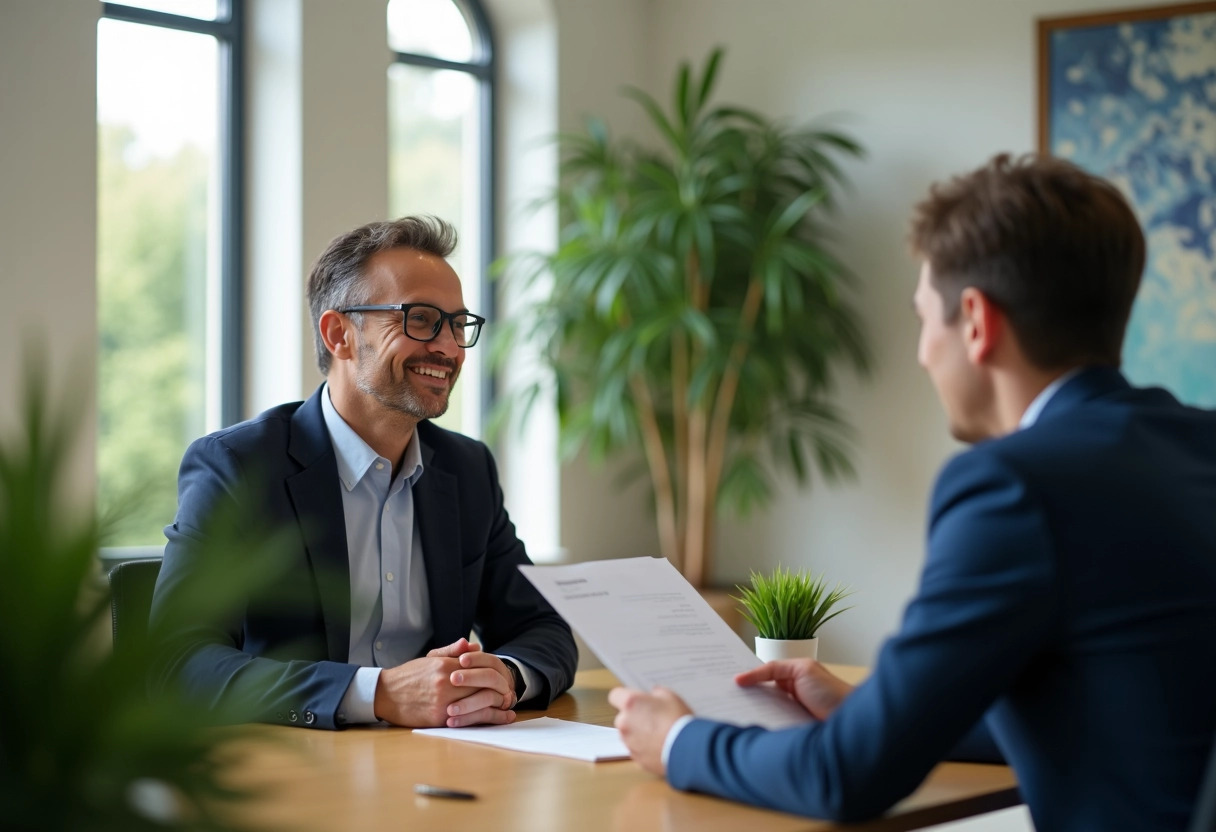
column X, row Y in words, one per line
column 770, row 649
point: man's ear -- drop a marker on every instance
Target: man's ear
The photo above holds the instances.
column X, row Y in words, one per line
column 984, row 325
column 338, row 334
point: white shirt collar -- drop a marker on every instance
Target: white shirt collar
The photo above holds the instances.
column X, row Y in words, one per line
column 1035, row 410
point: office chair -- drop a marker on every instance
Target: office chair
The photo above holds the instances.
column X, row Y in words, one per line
column 131, row 585
column 1205, row 809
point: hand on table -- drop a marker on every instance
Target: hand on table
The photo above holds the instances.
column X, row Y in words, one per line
column 644, row 719
column 806, row 680
column 450, row 686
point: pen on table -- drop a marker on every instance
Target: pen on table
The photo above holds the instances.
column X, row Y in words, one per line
column 439, row 791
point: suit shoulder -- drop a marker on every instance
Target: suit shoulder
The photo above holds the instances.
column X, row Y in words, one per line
column 449, row 442
column 268, row 429
column 988, row 458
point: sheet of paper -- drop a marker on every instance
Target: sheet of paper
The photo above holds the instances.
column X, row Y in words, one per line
column 543, row 735
column 649, row 626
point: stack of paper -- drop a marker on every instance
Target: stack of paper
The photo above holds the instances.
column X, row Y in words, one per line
column 544, row 735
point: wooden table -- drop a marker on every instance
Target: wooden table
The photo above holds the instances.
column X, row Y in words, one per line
column 363, row 778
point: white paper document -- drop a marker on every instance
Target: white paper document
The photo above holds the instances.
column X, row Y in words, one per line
column 649, row 626
column 543, row 735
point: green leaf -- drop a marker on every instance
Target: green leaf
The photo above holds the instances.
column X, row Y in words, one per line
column 792, row 214
column 683, row 112
column 709, row 75
column 657, row 117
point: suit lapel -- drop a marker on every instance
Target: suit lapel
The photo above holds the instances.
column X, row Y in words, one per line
column 317, row 500
column 437, row 512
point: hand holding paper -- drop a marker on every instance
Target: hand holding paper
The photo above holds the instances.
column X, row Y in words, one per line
column 651, row 628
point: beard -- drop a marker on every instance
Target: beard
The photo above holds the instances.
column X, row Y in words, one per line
column 375, row 379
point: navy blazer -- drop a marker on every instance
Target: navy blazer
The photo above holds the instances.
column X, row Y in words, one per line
column 288, row 652
column 1070, row 593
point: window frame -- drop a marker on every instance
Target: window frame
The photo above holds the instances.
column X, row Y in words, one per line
column 484, row 68
column 228, row 29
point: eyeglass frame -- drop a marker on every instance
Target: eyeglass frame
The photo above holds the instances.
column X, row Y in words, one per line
column 444, row 317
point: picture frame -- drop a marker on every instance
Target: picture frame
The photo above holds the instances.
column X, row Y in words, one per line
column 1130, row 95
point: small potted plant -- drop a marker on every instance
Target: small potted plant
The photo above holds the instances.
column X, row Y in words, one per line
column 787, row 609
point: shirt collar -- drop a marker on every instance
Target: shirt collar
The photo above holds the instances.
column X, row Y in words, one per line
column 354, row 456
column 1032, row 413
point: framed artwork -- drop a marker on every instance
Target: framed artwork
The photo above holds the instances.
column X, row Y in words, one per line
column 1131, row 96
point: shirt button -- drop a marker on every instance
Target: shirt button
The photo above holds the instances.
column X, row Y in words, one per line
column 379, row 466
column 388, row 576
column 379, row 645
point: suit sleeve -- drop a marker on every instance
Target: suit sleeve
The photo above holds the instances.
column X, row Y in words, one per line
column 985, row 605
column 204, row 658
column 512, row 617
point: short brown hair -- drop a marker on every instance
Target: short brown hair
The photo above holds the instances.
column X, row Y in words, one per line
column 336, row 280
column 1057, row 249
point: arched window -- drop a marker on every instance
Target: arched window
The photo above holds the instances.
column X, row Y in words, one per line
column 441, row 154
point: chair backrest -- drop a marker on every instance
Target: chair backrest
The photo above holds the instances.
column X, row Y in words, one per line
column 131, row 585
column 1205, row 810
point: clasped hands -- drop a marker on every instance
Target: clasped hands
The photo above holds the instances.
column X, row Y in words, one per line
column 644, row 719
column 450, row 686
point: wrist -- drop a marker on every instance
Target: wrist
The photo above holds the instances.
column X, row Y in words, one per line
column 380, row 699
column 517, row 679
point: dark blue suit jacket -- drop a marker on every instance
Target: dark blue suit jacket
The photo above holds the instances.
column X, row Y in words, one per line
column 288, row 651
column 1069, row 593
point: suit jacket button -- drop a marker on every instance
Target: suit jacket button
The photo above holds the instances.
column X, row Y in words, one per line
column 292, row 716
column 309, row 717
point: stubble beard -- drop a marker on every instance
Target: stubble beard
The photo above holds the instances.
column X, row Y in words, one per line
column 375, row 380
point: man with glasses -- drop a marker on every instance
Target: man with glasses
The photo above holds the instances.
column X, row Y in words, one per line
column 403, row 544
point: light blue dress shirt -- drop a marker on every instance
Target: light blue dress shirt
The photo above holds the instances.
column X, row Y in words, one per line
column 389, row 603
column 390, row 607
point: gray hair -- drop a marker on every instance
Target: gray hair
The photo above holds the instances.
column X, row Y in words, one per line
column 336, row 279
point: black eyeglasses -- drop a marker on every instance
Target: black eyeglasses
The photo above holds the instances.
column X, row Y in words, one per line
column 422, row 322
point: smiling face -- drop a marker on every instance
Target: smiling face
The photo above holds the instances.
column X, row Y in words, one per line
column 411, row 377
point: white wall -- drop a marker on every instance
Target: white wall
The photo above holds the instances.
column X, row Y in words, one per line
column 48, row 200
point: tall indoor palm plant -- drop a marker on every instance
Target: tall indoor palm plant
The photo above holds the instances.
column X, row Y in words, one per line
column 694, row 309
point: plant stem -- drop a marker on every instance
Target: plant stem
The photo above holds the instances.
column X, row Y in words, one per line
column 679, row 405
column 698, row 507
column 660, row 475
column 725, row 402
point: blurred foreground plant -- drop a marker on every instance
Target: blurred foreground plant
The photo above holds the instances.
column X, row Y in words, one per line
column 82, row 744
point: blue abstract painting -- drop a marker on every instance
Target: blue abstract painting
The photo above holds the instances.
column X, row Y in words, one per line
column 1135, row 102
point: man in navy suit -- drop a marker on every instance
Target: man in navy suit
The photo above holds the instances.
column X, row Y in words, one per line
column 400, row 545
column 1069, row 593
